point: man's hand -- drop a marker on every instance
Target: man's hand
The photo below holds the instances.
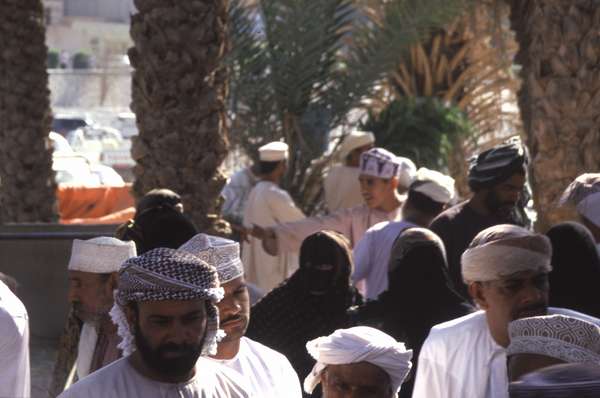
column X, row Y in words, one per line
column 258, row 232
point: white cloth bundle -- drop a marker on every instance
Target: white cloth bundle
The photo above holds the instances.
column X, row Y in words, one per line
column 503, row 250
column 435, row 185
column 359, row 344
column 102, row 255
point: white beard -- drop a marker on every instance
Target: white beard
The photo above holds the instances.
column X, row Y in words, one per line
column 86, row 348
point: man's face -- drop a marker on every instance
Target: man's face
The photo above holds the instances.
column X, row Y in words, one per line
column 502, row 198
column 91, row 295
column 375, row 190
column 234, row 309
column 521, row 364
column 169, row 334
column 357, row 380
column 520, row 295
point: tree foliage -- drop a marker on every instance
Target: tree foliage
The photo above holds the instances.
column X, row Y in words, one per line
column 299, row 67
column 422, row 129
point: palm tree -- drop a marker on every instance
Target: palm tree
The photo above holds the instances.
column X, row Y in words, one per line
column 178, row 92
column 27, row 186
column 467, row 63
column 300, row 67
column 560, row 95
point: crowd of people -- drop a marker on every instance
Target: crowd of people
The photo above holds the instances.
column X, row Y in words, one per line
column 399, row 290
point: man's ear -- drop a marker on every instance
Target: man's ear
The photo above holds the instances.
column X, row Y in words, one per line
column 478, row 293
column 113, row 281
column 394, row 183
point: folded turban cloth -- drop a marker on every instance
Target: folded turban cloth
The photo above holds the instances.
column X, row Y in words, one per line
column 584, row 193
column 495, row 165
column 102, row 255
column 359, row 344
column 355, row 139
column 503, row 250
column 557, row 336
column 221, row 253
column 381, row 163
column 433, row 184
column 559, row 381
column 167, row 274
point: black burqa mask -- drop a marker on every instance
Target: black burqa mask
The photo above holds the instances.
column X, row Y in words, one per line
column 324, row 263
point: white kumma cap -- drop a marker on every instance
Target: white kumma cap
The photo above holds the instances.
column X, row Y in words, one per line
column 103, row 255
column 273, row 152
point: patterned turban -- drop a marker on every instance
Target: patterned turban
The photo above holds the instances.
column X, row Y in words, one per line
column 359, row 344
column 496, row 165
column 557, row 336
column 380, row 163
column 503, row 250
column 584, row 193
column 221, row 253
column 166, row 274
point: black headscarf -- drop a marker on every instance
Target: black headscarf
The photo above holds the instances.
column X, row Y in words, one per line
column 571, row 380
column 575, row 277
column 290, row 315
column 419, row 295
column 497, row 164
column 160, row 226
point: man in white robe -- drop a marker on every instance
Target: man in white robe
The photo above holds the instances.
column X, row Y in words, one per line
column 358, row 362
column 14, row 346
column 93, row 271
column 267, row 372
column 584, row 194
column 341, row 186
column 167, row 319
column 506, row 269
column 427, row 197
column 269, row 205
column 236, row 194
column 379, row 183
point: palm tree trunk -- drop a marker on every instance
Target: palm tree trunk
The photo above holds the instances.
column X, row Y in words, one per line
column 560, row 94
column 27, row 186
column 178, row 94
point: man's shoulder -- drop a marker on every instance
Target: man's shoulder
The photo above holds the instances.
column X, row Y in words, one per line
column 459, row 327
column 97, row 383
column 449, row 216
column 265, row 353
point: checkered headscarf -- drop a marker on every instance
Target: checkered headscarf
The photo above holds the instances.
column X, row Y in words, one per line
column 167, row 274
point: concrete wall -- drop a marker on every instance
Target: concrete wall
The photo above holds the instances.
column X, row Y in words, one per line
column 87, row 89
column 37, row 256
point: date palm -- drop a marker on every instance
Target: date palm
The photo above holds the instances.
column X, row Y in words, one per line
column 178, row 94
column 27, row 186
column 560, row 95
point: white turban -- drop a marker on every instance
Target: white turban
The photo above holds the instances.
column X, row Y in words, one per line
column 359, row 344
column 101, row 255
column 584, row 193
column 275, row 151
column 221, row 253
column 435, row 185
column 503, row 250
column 562, row 337
column 354, row 140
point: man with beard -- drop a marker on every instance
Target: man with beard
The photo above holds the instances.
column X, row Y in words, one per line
column 166, row 316
column 93, row 271
column 497, row 178
column 358, row 362
column 267, row 372
column 506, row 269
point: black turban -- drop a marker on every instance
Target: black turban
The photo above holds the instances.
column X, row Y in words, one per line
column 496, row 165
